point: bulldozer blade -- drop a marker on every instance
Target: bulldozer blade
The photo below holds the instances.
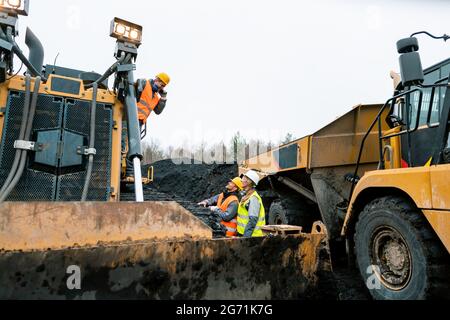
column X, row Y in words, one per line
column 274, row 267
column 28, row 226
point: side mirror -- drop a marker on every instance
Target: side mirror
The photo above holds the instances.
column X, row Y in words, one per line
column 410, row 62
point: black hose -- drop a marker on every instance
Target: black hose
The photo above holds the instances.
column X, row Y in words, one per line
column 28, row 130
column 26, row 110
column 111, row 70
column 91, row 143
column 444, row 37
column 21, row 56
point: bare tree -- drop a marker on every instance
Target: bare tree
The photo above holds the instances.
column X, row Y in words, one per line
column 237, row 151
column 289, row 138
column 153, row 152
column 238, row 148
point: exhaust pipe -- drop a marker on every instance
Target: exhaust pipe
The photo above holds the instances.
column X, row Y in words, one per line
column 36, row 56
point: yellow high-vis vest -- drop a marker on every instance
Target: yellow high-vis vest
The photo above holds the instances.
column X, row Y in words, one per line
column 243, row 217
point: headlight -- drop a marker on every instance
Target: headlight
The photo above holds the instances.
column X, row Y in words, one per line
column 126, row 31
column 134, row 34
column 120, row 29
column 15, row 7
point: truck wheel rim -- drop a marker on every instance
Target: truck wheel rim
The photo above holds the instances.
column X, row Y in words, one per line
column 390, row 253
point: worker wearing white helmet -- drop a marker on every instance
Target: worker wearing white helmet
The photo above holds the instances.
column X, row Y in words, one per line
column 251, row 213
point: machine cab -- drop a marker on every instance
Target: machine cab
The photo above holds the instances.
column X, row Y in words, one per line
column 422, row 115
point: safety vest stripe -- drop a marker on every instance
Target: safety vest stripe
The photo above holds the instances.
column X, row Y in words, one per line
column 223, row 205
column 145, row 104
column 245, row 219
column 148, row 102
column 143, row 112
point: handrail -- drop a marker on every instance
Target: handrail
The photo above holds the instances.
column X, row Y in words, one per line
column 358, row 163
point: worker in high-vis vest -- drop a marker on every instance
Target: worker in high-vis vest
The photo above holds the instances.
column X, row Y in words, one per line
column 225, row 205
column 151, row 97
column 251, row 213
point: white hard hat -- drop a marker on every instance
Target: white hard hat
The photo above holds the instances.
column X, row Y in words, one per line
column 252, row 175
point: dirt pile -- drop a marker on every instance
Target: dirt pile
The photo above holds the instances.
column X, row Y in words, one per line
column 188, row 184
column 193, row 182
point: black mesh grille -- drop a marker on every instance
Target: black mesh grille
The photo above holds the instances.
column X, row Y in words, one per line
column 77, row 119
column 49, row 113
column 34, row 185
column 56, row 113
column 71, row 187
column 11, row 130
column 78, row 116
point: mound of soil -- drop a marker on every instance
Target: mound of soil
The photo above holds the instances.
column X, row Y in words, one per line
column 193, row 182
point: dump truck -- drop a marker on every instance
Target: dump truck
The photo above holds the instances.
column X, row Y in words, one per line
column 378, row 177
column 67, row 229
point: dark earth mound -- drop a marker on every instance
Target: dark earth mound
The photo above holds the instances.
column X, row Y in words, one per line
column 187, row 184
column 193, row 182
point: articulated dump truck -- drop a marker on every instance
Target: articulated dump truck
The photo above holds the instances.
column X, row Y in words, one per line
column 64, row 231
column 379, row 179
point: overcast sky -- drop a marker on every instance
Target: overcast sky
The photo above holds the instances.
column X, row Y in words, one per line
column 263, row 68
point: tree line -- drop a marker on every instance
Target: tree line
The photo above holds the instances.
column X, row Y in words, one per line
column 236, row 150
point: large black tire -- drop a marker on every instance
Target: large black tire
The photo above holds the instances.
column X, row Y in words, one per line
column 398, row 254
column 292, row 211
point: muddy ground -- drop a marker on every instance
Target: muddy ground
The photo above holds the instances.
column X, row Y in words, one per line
column 190, row 183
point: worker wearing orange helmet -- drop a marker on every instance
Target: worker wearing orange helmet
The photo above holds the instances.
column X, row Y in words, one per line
column 151, row 96
column 225, row 205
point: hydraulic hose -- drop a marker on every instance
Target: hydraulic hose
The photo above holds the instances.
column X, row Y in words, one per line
column 28, row 130
column 91, row 143
column 23, row 127
column 110, row 71
column 21, row 56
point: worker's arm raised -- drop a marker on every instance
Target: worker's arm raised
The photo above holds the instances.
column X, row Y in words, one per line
column 210, row 202
column 160, row 107
column 162, row 103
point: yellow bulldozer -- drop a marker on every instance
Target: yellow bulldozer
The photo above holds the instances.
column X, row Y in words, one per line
column 378, row 177
column 67, row 231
